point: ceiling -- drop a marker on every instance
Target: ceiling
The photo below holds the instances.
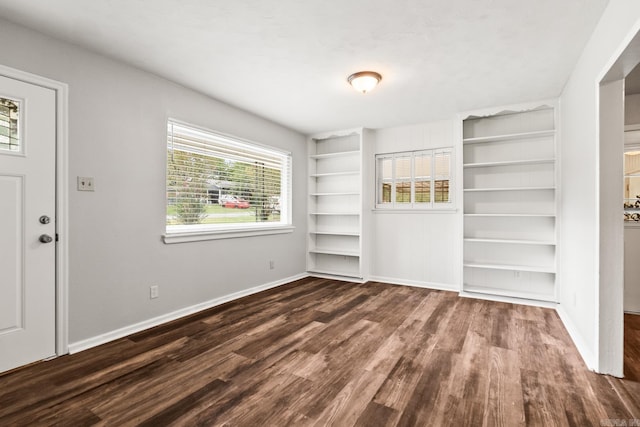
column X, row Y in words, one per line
column 288, row 60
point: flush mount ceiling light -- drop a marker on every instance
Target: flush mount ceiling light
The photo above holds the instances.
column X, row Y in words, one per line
column 364, row 81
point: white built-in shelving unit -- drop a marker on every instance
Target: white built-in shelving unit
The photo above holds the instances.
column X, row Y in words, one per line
column 510, row 194
column 337, row 205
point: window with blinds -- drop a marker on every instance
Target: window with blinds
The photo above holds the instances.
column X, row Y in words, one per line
column 414, row 179
column 217, row 182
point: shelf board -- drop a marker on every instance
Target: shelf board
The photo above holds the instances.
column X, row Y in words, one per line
column 474, row 190
column 354, row 193
column 321, row 175
column 507, row 137
column 509, row 163
column 340, row 252
column 335, row 213
column 511, row 241
column 531, row 268
column 336, row 233
column 334, row 155
column 508, row 293
column 354, row 274
column 516, row 215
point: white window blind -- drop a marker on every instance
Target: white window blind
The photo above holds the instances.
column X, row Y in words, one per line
column 414, row 179
column 217, row 182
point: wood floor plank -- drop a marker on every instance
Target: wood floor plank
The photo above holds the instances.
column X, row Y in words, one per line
column 376, row 415
column 504, row 405
column 541, row 406
column 464, row 391
column 420, row 402
column 326, row 352
column 352, row 400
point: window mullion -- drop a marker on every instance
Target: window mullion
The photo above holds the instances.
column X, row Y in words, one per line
column 393, row 181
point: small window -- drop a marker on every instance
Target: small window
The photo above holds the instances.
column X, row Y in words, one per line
column 414, row 179
column 217, row 182
column 9, row 114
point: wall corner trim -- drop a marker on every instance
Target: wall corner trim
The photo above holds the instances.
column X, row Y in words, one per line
column 88, row 343
column 585, row 352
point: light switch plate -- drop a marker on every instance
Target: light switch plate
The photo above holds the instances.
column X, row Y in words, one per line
column 85, row 183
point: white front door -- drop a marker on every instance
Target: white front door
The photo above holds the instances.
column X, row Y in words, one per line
column 27, row 223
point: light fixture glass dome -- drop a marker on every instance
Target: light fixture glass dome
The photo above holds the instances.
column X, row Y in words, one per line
column 364, row 81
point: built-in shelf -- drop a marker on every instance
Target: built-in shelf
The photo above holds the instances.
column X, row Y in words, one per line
column 471, row 190
column 532, row 268
column 337, row 154
column 323, row 175
column 335, row 206
column 510, row 241
column 507, row 137
column 503, row 155
column 336, row 233
column 510, row 163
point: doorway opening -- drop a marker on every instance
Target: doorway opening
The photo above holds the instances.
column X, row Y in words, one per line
column 619, row 180
column 632, row 224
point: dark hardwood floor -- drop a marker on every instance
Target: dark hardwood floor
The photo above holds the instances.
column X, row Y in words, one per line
column 323, row 352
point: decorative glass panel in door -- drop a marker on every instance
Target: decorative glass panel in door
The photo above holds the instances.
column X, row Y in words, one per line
column 9, row 135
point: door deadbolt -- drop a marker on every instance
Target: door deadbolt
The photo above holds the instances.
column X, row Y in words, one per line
column 44, row 219
column 45, row 238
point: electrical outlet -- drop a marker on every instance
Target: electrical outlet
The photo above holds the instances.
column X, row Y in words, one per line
column 272, row 265
column 85, row 183
column 153, row 292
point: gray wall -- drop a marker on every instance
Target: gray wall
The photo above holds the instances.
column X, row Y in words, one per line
column 117, row 134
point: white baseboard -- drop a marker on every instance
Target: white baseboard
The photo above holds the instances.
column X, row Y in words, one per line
column 146, row 324
column 415, row 283
column 585, row 352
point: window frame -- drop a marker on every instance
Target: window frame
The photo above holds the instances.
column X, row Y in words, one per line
column 432, row 205
column 193, row 233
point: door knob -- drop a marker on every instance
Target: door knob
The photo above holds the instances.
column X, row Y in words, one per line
column 45, row 238
column 44, row 219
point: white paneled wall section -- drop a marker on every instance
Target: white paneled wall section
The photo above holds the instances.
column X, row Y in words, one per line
column 418, row 248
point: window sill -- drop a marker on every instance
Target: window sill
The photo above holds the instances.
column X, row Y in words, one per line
column 198, row 236
column 414, row 211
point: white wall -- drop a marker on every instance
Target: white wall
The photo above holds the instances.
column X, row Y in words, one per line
column 420, row 249
column 579, row 205
column 632, row 109
column 611, row 227
column 117, row 134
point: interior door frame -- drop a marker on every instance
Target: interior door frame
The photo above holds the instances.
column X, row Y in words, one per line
column 62, row 198
column 610, row 292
